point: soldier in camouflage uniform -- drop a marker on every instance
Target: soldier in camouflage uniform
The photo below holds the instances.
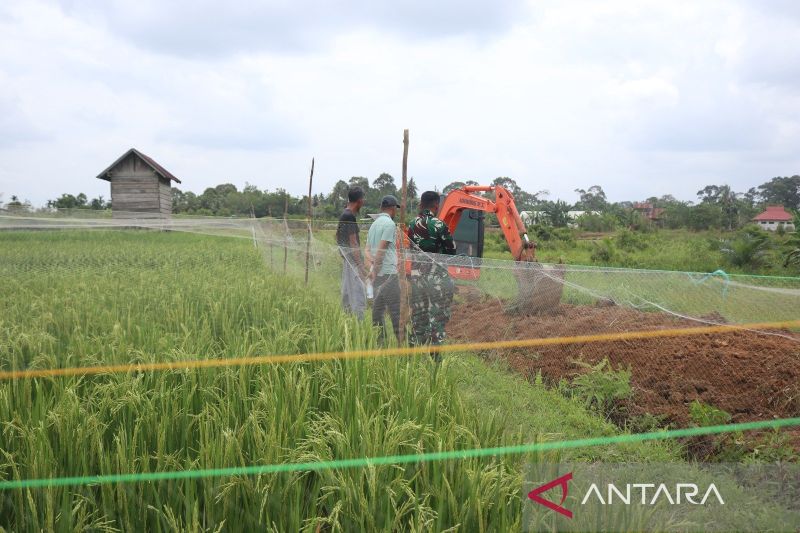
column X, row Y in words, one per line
column 431, row 286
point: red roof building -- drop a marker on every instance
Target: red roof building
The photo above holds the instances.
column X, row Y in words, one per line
column 648, row 211
column 773, row 216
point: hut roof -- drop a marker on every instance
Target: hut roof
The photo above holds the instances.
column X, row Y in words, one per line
column 158, row 169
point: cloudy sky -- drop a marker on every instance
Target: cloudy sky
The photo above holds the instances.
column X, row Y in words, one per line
column 642, row 97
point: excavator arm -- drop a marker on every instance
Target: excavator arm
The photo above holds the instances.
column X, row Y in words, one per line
column 503, row 207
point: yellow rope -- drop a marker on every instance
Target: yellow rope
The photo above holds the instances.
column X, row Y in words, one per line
column 418, row 350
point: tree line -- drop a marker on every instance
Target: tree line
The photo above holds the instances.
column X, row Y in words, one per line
column 717, row 206
column 226, row 200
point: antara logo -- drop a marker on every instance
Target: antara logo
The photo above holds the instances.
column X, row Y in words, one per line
column 633, row 492
column 688, row 491
column 563, row 482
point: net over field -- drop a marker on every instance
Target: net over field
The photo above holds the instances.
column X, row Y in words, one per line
column 166, row 374
column 730, row 341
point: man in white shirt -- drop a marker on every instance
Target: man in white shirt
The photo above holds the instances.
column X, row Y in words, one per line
column 381, row 248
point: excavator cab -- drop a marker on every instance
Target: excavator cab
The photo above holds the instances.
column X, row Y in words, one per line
column 468, row 237
column 469, row 233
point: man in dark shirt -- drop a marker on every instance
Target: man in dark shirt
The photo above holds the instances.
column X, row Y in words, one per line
column 353, row 271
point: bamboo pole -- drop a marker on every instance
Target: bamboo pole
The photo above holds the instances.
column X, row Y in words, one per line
column 253, row 227
column 269, row 237
column 310, row 214
column 404, row 191
column 404, row 292
column 285, row 229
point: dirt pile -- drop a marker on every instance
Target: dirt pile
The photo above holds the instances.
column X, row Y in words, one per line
column 751, row 375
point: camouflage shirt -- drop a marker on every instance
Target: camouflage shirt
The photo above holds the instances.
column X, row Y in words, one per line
column 431, row 235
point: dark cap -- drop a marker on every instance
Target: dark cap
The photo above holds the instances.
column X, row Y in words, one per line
column 389, row 201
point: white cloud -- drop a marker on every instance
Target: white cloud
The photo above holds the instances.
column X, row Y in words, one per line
column 642, row 98
column 203, row 28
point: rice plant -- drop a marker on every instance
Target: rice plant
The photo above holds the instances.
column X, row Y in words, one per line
column 75, row 299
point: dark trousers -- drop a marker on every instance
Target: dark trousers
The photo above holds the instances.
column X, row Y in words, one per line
column 387, row 298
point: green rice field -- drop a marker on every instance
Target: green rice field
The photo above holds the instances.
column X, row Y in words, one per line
column 89, row 298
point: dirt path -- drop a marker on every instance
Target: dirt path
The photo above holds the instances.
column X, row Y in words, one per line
column 750, row 375
column 778, row 290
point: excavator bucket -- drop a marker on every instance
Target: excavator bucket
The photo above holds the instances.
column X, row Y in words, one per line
column 539, row 288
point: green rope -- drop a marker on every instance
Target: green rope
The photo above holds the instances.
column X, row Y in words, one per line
column 393, row 459
column 721, row 273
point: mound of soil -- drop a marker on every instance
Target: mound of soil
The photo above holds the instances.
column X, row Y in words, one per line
column 751, row 375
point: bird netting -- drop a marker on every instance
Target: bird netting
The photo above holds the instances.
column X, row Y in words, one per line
column 681, row 338
column 712, row 339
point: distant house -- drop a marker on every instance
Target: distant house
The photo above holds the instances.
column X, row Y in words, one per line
column 140, row 187
column 573, row 215
column 531, row 217
column 649, row 211
column 773, row 216
column 540, row 217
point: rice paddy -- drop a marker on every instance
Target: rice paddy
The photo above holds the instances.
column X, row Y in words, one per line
column 75, row 298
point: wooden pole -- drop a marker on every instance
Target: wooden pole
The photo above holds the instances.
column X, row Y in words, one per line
column 310, row 214
column 404, row 309
column 253, row 227
column 269, row 237
column 285, row 229
column 404, row 191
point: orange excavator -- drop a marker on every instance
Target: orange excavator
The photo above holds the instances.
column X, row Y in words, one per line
column 463, row 212
column 539, row 287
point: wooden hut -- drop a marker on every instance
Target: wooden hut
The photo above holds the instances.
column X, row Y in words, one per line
column 140, row 187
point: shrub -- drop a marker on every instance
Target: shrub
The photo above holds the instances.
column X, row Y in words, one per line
column 597, row 222
column 733, row 447
column 775, row 446
column 703, row 414
column 747, row 249
column 630, row 241
column 792, row 253
column 647, row 422
column 541, row 232
column 604, row 253
column 602, row 388
column 637, row 222
column 563, row 234
column 792, row 257
column 723, row 447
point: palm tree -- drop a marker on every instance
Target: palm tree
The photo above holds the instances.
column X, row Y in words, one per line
column 748, row 249
column 792, row 256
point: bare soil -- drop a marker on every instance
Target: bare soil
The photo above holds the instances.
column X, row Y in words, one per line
column 751, row 375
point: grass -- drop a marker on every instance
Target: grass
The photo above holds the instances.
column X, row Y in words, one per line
column 540, row 412
column 663, row 249
column 74, row 298
column 675, row 279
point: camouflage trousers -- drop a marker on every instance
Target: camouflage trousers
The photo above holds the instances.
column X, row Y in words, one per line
column 431, row 296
